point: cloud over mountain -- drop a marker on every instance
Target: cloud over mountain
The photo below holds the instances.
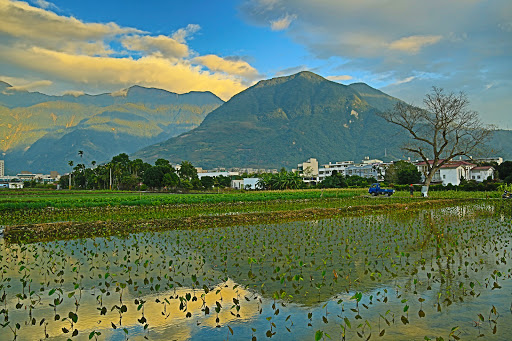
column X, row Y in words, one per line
column 460, row 44
column 93, row 56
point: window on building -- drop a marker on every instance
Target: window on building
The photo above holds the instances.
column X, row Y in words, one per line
column 444, row 176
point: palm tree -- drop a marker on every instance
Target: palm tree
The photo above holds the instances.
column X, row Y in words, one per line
column 70, row 163
column 81, row 154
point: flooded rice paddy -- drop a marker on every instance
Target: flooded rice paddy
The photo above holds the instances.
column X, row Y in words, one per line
column 403, row 275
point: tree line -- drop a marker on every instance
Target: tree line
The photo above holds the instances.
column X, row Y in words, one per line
column 121, row 173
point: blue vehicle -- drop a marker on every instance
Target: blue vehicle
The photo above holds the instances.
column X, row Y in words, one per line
column 376, row 190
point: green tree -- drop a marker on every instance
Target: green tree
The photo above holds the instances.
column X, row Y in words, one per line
column 264, row 181
column 122, row 159
column 224, row 181
column 358, row 181
column 153, row 177
column 336, row 180
column 207, row 182
column 171, row 180
column 187, row 171
column 505, row 171
column 128, row 182
column 196, row 183
column 402, row 173
column 163, row 163
column 80, row 180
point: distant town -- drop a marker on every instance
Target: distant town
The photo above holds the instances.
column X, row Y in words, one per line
column 310, row 171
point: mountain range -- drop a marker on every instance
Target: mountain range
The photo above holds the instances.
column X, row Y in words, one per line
column 275, row 123
column 286, row 120
column 40, row 132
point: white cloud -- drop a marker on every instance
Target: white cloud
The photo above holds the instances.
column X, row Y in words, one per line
column 506, row 26
column 292, row 70
column 100, row 57
column 167, row 46
column 76, row 93
column 119, row 93
column 457, row 43
column 152, row 71
column 405, row 80
column 231, row 67
column 282, row 23
column 45, row 4
column 29, row 86
column 339, row 78
column 182, row 34
column 36, row 26
column 413, row 44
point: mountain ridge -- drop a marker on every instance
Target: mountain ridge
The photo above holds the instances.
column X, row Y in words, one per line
column 286, row 120
column 281, row 112
column 28, row 98
column 107, row 124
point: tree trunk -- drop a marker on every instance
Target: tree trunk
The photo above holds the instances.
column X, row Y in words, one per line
column 429, row 177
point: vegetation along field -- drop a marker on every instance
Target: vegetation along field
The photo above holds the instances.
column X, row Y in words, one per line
column 285, row 265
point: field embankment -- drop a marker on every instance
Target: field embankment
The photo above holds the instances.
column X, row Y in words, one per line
column 38, row 216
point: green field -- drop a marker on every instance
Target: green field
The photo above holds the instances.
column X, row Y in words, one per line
column 341, row 266
column 30, row 216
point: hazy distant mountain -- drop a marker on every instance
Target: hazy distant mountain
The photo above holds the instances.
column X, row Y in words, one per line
column 42, row 133
column 284, row 121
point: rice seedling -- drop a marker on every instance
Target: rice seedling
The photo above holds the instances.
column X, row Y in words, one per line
column 402, row 271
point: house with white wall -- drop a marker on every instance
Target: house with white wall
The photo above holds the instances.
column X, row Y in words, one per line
column 482, row 173
column 245, row 183
column 237, row 184
column 454, row 171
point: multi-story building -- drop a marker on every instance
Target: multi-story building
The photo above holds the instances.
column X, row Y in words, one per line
column 308, row 170
column 329, row 169
column 366, row 170
column 2, row 168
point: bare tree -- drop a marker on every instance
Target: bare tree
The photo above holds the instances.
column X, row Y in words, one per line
column 444, row 129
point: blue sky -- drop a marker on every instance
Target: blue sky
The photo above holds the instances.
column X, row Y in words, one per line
column 403, row 47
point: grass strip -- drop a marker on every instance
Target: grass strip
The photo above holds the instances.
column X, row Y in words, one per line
column 30, row 233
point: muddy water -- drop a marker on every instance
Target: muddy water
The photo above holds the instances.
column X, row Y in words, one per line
column 403, row 275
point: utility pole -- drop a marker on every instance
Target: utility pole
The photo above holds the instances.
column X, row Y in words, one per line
column 110, row 178
column 69, row 180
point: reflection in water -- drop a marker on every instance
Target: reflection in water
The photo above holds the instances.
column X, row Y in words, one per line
column 403, row 275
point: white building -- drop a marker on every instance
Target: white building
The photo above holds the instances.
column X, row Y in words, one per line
column 329, row 169
column 237, row 184
column 454, row 171
column 368, row 161
column 212, row 174
column 308, row 170
column 251, row 183
column 2, row 168
column 369, row 170
column 480, row 174
column 16, row 185
column 245, row 183
column 452, row 174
